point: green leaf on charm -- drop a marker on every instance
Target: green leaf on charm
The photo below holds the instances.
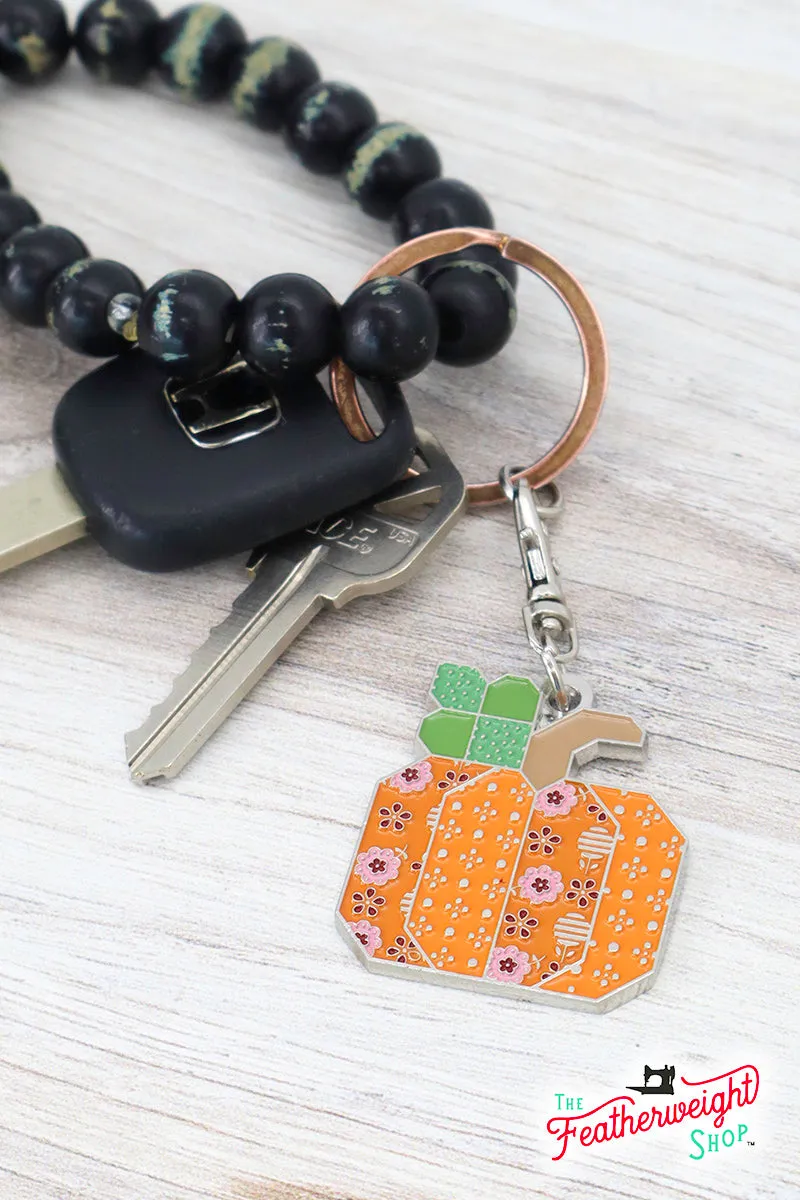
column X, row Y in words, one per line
column 447, row 733
column 512, row 697
column 499, row 742
column 460, row 688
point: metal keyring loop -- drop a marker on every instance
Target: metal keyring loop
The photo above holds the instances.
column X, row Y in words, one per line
column 571, row 295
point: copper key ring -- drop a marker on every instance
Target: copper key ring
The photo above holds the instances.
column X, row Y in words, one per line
column 571, row 295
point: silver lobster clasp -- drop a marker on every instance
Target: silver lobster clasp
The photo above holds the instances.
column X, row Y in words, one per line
column 548, row 620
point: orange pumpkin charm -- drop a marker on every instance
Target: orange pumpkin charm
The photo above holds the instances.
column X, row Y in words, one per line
column 487, row 864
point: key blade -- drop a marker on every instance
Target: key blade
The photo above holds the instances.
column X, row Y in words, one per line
column 356, row 553
column 224, row 669
column 37, row 514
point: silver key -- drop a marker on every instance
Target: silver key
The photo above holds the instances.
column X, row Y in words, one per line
column 37, row 515
column 360, row 553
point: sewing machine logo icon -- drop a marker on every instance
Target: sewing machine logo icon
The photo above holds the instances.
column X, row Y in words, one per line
column 664, row 1087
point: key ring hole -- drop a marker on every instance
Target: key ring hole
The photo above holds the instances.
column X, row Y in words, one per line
column 572, row 700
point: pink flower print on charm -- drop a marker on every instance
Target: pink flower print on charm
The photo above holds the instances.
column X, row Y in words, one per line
column 368, row 935
column 413, row 779
column 508, row 965
column 541, row 885
column 378, row 866
column 556, row 800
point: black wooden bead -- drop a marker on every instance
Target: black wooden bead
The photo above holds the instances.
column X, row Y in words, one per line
column 446, row 204
column 15, row 214
column 34, row 39
column 479, row 253
column 476, row 309
column 5, row 180
column 440, row 204
column 325, row 123
column 289, row 327
column 29, row 262
column 389, row 329
column 115, row 39
column 77, row 305
column 188, row 322
column 197, row 49
column 270, row 75
column 386, row 163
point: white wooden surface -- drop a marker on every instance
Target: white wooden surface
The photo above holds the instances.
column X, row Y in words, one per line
column 178, row 1017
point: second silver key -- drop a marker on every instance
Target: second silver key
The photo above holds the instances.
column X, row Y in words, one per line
column 363, row 552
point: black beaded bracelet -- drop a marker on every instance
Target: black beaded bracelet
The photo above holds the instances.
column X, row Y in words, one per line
column 461, row 310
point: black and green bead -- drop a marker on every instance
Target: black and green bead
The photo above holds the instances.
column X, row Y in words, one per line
column 187, row 321
column 15, row 213
column 389, row 329
column 77, row 305
column 325, row 123
column 29, row 262
column 289, row 327
column 270, row 75
column 197, row 50
column 115, row 39
column 34, row 39
column 477, row 311
column 440, row 204
column 387, row 162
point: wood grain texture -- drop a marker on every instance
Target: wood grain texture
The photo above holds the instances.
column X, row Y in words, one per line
column 178, row 1018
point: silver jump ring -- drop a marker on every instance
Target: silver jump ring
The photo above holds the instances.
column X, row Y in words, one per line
column 555, row 677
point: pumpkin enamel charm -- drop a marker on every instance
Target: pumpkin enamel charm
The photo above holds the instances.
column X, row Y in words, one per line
column 487, row 863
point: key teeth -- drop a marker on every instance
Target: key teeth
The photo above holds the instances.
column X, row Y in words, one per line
column 224, row 668
column 142, row 744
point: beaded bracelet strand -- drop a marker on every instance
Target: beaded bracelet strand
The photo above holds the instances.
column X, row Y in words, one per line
column 461, row 310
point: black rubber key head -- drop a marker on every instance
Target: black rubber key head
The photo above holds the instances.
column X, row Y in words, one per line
column 156, row 500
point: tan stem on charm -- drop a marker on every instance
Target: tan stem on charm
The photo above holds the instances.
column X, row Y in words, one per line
column 578, row 739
